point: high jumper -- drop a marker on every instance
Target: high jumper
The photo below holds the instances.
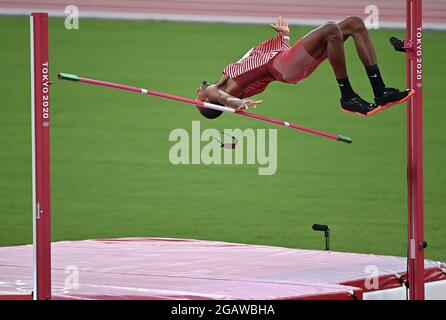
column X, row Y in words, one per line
column 276, row 60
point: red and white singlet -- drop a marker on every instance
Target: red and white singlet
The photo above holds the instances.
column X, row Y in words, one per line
column 271, row 60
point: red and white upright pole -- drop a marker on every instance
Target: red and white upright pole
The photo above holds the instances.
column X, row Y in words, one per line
column 416, row 243
column 40, row 119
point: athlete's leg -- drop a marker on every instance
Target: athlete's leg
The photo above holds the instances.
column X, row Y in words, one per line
column 355, row 27
column 327, row 40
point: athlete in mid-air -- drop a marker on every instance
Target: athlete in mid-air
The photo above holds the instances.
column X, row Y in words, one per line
column 276, row 60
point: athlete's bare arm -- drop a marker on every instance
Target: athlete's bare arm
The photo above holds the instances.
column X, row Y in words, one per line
column 223, row 92
column 214, row 93
column 281, row 26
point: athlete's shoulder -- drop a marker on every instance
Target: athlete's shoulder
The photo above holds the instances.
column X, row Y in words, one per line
column 211, row 87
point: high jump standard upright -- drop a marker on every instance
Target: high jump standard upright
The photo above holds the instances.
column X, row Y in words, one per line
column 415, row 202
column 40, row 119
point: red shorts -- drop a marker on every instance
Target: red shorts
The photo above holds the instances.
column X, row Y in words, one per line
column 294, row 64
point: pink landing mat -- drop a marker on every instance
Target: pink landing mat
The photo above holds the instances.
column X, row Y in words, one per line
column 162, row 268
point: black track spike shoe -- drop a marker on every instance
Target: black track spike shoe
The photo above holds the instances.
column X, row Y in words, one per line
column 393, row 96
column 358, row 106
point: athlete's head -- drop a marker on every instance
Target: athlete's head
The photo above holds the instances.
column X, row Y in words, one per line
column 202, row 96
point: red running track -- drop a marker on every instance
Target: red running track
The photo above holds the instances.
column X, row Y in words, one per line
column 307, row 12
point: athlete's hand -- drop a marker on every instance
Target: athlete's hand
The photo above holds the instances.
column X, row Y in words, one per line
column 245, row 104
column 281, row 26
